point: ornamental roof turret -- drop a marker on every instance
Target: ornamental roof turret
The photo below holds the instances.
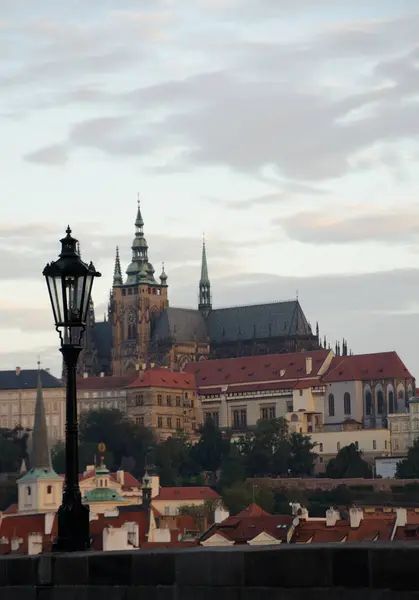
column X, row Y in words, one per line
column 139, row 263
column 163, row 276
column 117, row 275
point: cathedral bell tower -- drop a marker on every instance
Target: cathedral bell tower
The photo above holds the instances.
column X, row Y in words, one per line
column 205, row 305
column 134, row 302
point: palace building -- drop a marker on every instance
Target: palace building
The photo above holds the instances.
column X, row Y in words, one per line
column 141, row 327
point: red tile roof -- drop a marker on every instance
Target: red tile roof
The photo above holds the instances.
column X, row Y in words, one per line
column 259, row 369
column 361, row 367
column 11, row 510
column 253, row 510
column 241, row 530
column 105, row 383
column 187, row 493
column 163, row 378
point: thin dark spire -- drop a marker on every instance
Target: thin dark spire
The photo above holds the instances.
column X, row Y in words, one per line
column 117, row 275
column 205, row 304
column 40, row 456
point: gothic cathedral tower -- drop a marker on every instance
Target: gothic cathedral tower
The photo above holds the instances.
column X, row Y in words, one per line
column 133, row 304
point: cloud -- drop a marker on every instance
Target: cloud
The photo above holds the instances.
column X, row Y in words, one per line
column 329, row 226
column 55, row 154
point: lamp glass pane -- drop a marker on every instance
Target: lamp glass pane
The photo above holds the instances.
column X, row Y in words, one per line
column 86, row 296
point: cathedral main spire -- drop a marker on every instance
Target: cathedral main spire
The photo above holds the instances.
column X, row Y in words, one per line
column 40, row 457
column 204, row 305
column 117, row 275
column 140, row 270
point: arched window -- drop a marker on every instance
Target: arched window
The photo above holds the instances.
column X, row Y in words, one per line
column 380, row 402
column 391, row 402
column 29, row 491
column 320, row 447
column 347, row 403
column 400, row 397
column 331, row 405
column 49, row 489
column 294, row 418
column 368, row 403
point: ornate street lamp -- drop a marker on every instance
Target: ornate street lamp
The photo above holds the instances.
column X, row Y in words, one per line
column 70, row 282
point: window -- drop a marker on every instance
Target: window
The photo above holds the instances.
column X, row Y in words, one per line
column 49, row 489
column 320, row 447
column 368, row 403
column 193, row 425
column 212, row 416
column 380, row 403
column 301, row 392
column 139, row 399
column 129, row 291
column 268, row 412
column 124, row 292
column 167, row 510
column 159, row 399
column 240, row 418
column 391, row 402
column 290, row 406
column 357, row 445
column 139, row 420
column 396, row 444
column 169, row 400
column 159, row 422
column 338, row 446
column 178, row 424
column 177, row 400
column 385, row 444
column 347, row 403
column 29, row 491
column 374, row 445
column 331, row 405
column 169, row 422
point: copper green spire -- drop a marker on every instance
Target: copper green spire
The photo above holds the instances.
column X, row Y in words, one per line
column 117, row 275
column 40, row 456
column 139, row 223
column 205, row 305
column 139, row 262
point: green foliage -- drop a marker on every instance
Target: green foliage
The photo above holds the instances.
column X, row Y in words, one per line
column 13, row 449
column 240, row 495
column 409, row 467
column 173, row 458
column 232, row 469
column 301, row 456
column 348, row 464
column 206, row 510
column 211, row 448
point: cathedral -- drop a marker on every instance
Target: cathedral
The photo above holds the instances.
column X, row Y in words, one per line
column 141, row 327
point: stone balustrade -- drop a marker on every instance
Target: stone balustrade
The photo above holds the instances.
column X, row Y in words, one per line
column 376, row 571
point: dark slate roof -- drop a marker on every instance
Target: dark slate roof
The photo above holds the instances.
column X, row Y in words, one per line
column 181, row 324
column 278, row 319
column 102, row 337
column 27, row 379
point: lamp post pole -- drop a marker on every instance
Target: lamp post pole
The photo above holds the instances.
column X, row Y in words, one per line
column 70, row 282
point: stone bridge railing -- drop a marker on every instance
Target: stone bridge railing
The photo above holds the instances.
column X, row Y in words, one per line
column 376, row 571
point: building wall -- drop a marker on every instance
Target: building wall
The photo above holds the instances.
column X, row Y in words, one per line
column 45, row 495
column 133, row 305
column 338, row 391
column 165, row 410
column 404, row 429
column 96, row 399
column 17, row 407
column 372, row 442
column 171, row 507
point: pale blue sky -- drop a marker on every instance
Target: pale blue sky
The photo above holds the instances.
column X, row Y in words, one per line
column 287, row 130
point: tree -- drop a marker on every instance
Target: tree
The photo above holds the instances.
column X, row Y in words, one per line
column 209, row 451
column 301, row 458
column 348, row 464
column 409, row 467
column 240, row 495
column 266, row 448
column 88, row 455
column 232, row 468
column 122, row 437
column 174, row 461
column 13, row 449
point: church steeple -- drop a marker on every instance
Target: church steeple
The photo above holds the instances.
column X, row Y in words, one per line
column 117, row 275
column 204, row 305
column 40, row 456
column 139, row 263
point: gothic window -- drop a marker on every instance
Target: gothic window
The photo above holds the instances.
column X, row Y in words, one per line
column 391, row 402
column 368, row 403
column 347, row 403
column 380, row 402
column 331, row 405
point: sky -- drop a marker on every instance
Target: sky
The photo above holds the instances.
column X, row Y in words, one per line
column 285, row 130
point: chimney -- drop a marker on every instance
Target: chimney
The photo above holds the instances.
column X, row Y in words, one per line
column 355, row 517
column 401, row 517
column 102, row 374
column 17, row 370
column 120, row 477
column 332, row 517
column 309, row 365
column 85, row 375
